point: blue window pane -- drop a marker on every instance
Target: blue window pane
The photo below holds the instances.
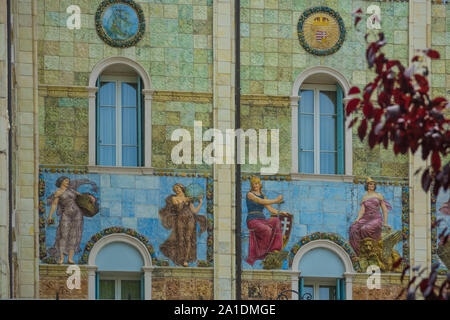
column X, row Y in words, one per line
column 306, row 134
column 107, row 123
column 306, row 162
column 327, row 293
column 328, row 162
column 129, row 156
column 107, row 156
column 108, row 94
column 327, row 133
column 308, row 293
column 129, row 94
column 306, row 101
column 327, row 102
column 129, row 126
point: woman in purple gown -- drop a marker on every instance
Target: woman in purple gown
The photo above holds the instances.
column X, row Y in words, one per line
column 370, row 222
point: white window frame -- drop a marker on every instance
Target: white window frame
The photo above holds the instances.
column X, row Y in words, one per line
column 118, row 80
column 317, row 88
column 318, row 282
column 118, row 277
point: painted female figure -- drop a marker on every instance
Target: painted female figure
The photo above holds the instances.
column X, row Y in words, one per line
column 70, row 227
column 265, row 234
column 370, row 222
column 181, row 216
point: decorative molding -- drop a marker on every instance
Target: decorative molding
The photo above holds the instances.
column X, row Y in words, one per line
column 327, row 240
column 121, row 170
column 103, row 64
column 121, row 234
column 322, row 177
column 386, row 181
column 197, row 97
column 254, row 100
column 125, row 170
column 46, row 90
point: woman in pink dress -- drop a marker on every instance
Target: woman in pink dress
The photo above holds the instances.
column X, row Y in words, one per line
column 265, row 234
column 370, row 222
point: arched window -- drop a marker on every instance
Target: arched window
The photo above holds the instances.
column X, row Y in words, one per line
column 119, row 119
column 326, row 272
column 119, row 273
column 119, row 114
column 119, row 267
column 321, row 129
column 321, row 140
column 322, row 275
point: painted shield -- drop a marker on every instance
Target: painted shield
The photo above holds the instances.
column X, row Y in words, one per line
column 286, row 227
column 321, row 35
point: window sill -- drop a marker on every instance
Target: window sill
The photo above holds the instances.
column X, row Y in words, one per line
column 121, row 170
column 322, row 177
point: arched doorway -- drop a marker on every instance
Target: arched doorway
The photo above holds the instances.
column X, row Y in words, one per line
column 325, row 272
column 119, row 268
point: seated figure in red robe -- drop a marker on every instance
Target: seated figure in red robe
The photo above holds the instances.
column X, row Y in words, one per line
column 265, row 234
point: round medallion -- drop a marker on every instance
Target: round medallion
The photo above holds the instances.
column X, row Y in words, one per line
column 321, row 31
column 120, row 23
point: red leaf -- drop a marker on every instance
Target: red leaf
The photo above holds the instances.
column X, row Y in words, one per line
column 354, row 90
column 352, row 105
column 426, row 180
column 436, row 161
column 423, row 83
column 433, row 54
column 367, row 109
column 353, row 122
column 415, row 58
column 362, row 129
column 357, row 20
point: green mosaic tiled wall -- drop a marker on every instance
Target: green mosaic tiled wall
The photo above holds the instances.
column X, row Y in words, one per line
column 63, row 131
column 170, row 115
column 269, row 117
column 176, row 49
column 440, row 41
column 272, row 58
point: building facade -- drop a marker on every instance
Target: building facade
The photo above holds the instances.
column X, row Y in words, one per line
column 111, row 186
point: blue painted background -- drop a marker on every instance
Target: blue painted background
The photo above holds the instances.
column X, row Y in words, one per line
column 128, row 201
column 441, row 199
column 320, row 207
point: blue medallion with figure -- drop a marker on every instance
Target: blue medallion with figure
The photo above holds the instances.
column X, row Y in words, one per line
column 120, row 23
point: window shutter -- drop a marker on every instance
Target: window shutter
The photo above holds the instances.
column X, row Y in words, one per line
column 97, row 122
column 340, row 130
column 300, row 288
column 97, row 286
column 139, row 122
column 342, row 289
column 338, row 289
